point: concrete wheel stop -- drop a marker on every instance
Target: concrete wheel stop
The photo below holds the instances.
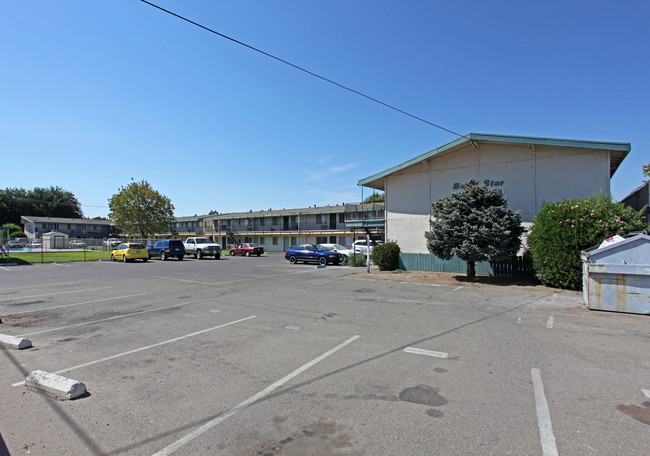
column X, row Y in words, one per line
column 55, row 384
column 14, row 342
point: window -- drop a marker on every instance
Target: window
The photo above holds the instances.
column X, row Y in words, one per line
column 294, row 240
column 276, row 240
column 341, row 217
column 262, row 239
column 321, row 239
column 276, row 220
column 262, row 223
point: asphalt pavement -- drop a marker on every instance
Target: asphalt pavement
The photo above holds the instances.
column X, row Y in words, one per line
column 253, row 356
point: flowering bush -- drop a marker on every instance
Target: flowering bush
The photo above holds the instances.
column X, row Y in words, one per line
column 562, row 230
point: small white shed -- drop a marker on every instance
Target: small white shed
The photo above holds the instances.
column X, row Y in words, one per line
column 55, row 240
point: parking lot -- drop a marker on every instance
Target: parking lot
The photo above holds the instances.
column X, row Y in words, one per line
column 253, row 356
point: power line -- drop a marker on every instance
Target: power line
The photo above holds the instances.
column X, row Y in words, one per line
column 303, row 69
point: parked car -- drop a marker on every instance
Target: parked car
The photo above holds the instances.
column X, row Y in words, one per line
column 77, row 244
column 37, row 244
column 167, row 248
column 130, row 251
column 247, row 249
column 17, row 243
column 361, row 246
column 112, row 242
column 312, row 253
column 343, row 250
column 201, row 247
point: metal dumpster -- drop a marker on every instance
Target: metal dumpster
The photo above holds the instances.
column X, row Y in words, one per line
column 616, row 277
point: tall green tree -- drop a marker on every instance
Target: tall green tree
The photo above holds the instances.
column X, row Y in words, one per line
column 474, row 224
column 40, row 202
column 138, row 208
column 646, row 171
column 376, row 198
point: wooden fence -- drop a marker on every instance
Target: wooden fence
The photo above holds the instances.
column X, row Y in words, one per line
column 518, row 266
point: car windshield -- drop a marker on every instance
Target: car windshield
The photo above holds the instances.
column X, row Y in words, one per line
column 339, row 247
column 322, row 248
column 203, row 241
column 250, row 245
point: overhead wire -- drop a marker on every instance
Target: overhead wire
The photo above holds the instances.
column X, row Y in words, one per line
column 297, row 67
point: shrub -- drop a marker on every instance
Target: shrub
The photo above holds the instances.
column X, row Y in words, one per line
column 386, row 256
column 562, row 230
column 357, row 260
column 17, row 234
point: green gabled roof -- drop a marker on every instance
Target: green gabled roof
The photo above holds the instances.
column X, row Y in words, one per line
column 619, row 152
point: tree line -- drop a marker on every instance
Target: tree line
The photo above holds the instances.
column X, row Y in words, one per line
column 39, row 202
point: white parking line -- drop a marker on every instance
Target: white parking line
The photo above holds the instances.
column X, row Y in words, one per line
column 646, row 393
column 105, row 319
column 543, row 416
column 54, row 294
column 420, row 351
column 251, row 400
column 549, row 323
column 108, row 358
column 75, row 304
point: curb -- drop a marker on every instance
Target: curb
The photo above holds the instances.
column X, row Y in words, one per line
column 55, row 384
column 14, row 342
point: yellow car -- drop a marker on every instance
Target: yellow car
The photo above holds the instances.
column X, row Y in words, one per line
column 130, row 251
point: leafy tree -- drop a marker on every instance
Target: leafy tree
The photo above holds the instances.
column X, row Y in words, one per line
column 138, row 208
column 562, row 230
column 41, row 202
column 54, row 202
column 646, row 171
column 376, row 198
column 474, row 224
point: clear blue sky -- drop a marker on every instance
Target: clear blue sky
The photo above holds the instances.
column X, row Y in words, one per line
column 94, row 93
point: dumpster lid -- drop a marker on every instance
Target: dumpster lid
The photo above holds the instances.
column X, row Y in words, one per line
column 638, row 243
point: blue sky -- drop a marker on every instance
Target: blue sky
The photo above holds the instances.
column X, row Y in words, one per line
column 94, row 93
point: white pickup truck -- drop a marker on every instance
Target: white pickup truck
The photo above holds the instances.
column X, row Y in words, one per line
column 201, row 247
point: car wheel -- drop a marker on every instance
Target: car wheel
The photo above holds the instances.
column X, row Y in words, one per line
column 199, row 255
column 124, row 260
column 258, row 254
column 112, row 257
column 180, row 257
column 292, row 259
column 248, row 254
column 322, row 260
column 163, row 256
column 217, row 256
column 232, row 253
column 144, row 260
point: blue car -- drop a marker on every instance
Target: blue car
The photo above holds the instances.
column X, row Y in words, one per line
column 167, row 248
column 313, row 253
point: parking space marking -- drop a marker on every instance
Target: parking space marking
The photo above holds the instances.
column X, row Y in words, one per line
column 549, row 323
column 420, row 351
column 251, row 400
column 543, row 416
column 106, row 319
column 76, row 304
column 43, row 285
column 118, row 355
column 59, row 293
column 646, row 393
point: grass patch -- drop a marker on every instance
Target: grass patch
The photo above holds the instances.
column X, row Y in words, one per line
column 400, row 271
column 51, row 257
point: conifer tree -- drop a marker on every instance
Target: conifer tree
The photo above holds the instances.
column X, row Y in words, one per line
column 474, row 224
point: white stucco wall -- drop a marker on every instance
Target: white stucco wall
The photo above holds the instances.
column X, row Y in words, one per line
column 527, row 175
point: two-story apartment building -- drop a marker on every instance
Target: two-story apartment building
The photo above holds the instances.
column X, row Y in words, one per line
column 277, row 230
column 83, row 228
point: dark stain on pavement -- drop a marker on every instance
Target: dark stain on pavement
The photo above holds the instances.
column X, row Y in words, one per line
column 322, row 438
column 423, row 394
column 637, row 412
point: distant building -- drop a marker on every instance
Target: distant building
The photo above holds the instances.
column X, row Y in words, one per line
column 528, row 170
column 277, row 230
column 85, row 228
column 639, row 198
